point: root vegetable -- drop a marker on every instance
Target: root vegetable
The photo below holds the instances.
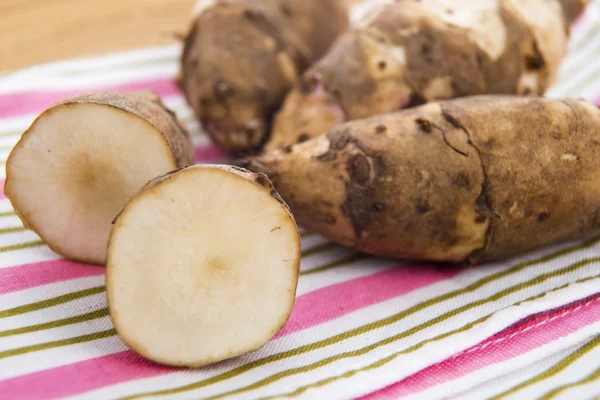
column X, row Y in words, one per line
column 411, row 52
column 202, row 266
column 81, row 161
column 241, row 57
column 474, row 179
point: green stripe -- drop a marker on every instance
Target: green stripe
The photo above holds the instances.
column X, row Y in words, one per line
column 57, row 343
column 21, row 246
column 417, row 346
column 588, row 379
column 378, row 363
column 12, row 133
column 335, row 264
column 583, row 46
column 12, row 229
column 39, row 305
column 55, row 324
column 555, row 369
column 306, row 234
column 7, row 213
column 318, row 249
column 88, row 316
column 586, row 41
column 104, row 312
column 368, row 327
column 7, row 146
column 593, row 77
column 443, row 317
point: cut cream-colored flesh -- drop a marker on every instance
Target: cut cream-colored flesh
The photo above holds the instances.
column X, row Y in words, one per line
column 75, row 169
column 201, row 267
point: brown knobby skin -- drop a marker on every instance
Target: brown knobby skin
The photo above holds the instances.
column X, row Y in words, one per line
column 82, row 159
column 473, row 179
column 411, row 52
column 241, row 57
column 202, row 266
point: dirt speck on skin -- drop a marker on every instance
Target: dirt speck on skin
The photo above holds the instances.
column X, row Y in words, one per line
column 261, row 179
column 480, row 219
column 379, row 129
column 379, row 207
column 423, row 207
column 543, row 216
column 303, row 137
column 330, row 219
column 424, row 125
column 462, row 180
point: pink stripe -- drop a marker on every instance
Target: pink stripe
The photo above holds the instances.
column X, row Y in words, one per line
column 27, row 276
column 333, row 302
column 337, row 300
column 209, row 153
column 18, row 103
column 81, row 377
column 520, row 338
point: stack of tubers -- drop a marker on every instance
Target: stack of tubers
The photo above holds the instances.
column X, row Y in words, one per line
column 415, row 133
column 411, row 52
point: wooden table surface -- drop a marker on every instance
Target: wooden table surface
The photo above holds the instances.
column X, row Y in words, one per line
column 37, row 31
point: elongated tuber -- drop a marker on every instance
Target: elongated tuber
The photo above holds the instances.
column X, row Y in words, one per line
column 202, row 266
column 81, row 161
column 471, row 179
column 411, row 52
column 241, row 57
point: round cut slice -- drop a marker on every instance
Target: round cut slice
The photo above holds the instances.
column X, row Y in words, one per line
column 202, row 266
column 81, row 161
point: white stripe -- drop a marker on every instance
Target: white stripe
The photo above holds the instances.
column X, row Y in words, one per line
column 44, row 292
column 54, row 313
column 16, row 123
column 119, row 59
column 515, row 377
column 125, row 67
column 37, row 361
column 87, row 81
column 15, row 238
column 586, row 391
column 495, row 372
column 573, row 88
column 26, row 256
column 49, row 335
column 579, row 369
column 10, row 222
column 352, row 270
column 581, row 43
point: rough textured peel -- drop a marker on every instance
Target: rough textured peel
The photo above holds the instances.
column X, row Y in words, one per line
column 241, row 57
column 202, row 266
column 474, row 179
column 410, row 52
column 81, row 161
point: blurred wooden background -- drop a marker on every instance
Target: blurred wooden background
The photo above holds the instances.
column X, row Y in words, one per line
column 37, row 31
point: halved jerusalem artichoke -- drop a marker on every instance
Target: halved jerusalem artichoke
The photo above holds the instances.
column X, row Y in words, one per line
column 202, row 266
column 81, row 161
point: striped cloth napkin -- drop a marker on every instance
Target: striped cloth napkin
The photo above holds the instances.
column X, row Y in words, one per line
column 361, row 327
